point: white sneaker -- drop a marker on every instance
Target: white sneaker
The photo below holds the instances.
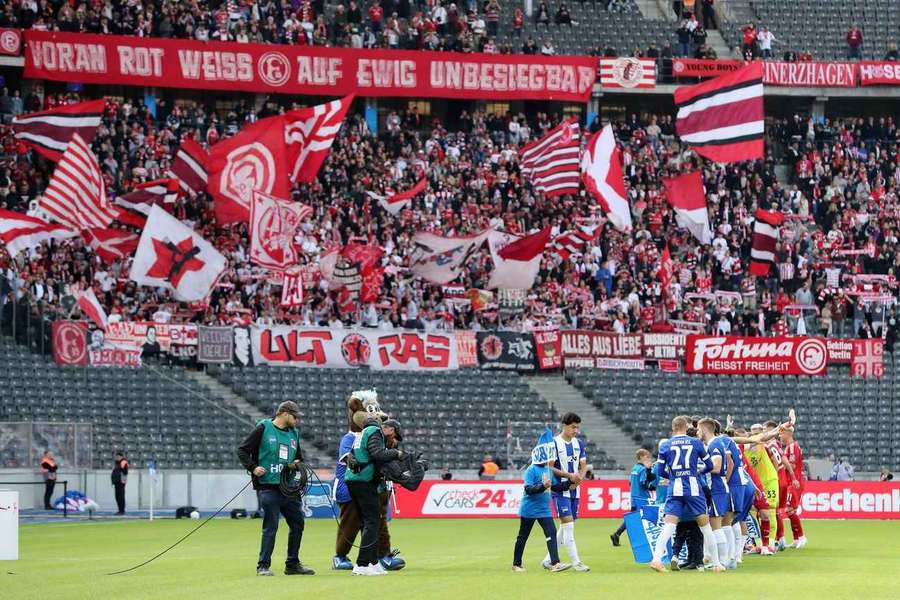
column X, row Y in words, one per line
column 546, row 563
column 581, row 567
column 766, row 551
column 378, row 568
column 358, row 570
column 801, row 542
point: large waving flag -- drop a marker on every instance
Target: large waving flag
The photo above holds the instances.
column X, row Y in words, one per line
column 49, row 131
column 190, row 166
column 517, row 260
column 765, row 237
column 91, row 307
column 551, row 163
column 269, row 155
column 685, row 195
column 111, row 244
column 76, row 195
column 601, row 171
column 19, row 232
column 273, row 224
column 397, row 202
column 172, row 256
column 441, row 259
column 574, row 241
column 722, row 119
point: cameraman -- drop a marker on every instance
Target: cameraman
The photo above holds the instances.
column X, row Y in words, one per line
column 271, row 447
column 363, row 479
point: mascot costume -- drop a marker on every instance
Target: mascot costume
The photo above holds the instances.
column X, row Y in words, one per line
column 363, row 405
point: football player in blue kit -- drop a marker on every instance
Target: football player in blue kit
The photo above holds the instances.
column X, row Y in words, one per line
column 720, row 508
column 683, row 459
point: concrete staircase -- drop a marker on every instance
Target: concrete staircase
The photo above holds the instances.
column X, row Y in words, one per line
column 555, row 390
column 715, row 41
column 651, row 9
column 235, row 404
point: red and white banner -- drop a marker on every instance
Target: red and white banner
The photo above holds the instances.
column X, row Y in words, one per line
column 867, row 359
column 345, row 348
column 466, row 349
column 839, row 350
column 663, row 346
column 273, row 224
column 111, row 356
column 879, row 73
column 699, row 67
column 731, row 355
column 69, row 342
column 10, row 41
column 628, row 72
column 607, row 499
column 548, row 346
column 292, row 290
column 139, row 333
column 587, row 348
column 810, row 74
column 319, row 71
column 624, row 364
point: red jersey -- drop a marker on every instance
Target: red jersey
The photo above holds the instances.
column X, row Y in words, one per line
column 795, row 456
column 773, row 447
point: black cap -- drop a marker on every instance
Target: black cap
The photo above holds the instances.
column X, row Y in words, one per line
column 396, row 425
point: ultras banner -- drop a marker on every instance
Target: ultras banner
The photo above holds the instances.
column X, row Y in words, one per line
column 586, row 349
column 730, row 355
column 345, row 348
column 506, row 350
column 120, row 60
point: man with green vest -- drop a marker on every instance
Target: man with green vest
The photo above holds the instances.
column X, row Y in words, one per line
column 363, row 479
column 271, row 447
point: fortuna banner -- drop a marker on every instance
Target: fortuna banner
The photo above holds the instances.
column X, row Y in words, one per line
column 319, row 71
column 729, row 355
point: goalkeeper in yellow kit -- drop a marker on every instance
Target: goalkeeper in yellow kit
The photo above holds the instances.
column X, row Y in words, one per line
column 768, row 475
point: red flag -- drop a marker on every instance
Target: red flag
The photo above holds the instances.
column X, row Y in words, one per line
column 685, row 195
column 665, row 270
column 268, row 155
column 867, row 358
column 111, row 244
column 190, row 166
column 601, row 172
column 516, row 261
column 397, row 202
column 372, row 280
column 19, row 231
column 50, row 131
column 551, row 163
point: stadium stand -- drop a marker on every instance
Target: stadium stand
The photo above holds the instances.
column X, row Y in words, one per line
column 843, row 417
column 146, row 413
column 453, row 418
column 820, row 28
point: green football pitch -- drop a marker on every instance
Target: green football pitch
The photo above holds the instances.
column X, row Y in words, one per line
column 457, row 559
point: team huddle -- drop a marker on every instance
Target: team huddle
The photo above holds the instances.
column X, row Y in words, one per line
column 716, row 477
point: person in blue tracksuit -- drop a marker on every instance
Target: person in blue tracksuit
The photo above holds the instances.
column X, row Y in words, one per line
column 641, row 479
column 535, row 504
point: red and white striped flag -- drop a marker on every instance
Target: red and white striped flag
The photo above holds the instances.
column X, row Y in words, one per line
column 685, row 194
column 76, row 195
column 18, row 231
column 628, row 72
column 572, row 241
column 551, row 163
column 190, row 166
column 91, row 307
column 765, row 236
column 111, row 244
column 314, row 130
column 49, row 131
column 163, row 192
column 722, row 119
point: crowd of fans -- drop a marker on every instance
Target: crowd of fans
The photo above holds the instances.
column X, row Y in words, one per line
column 841, row 206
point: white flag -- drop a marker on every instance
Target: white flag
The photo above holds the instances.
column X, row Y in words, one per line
column 172, row 256
column 441, row 259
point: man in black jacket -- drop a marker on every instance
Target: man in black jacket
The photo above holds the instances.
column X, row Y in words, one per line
column 119, row 478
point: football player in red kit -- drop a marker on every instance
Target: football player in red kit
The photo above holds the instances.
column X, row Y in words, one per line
column 786, row 479
column 794, row 456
